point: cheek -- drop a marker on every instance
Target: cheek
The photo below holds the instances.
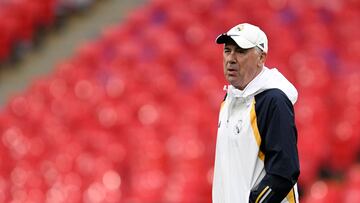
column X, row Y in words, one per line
column 248, row 61
column 224, row 64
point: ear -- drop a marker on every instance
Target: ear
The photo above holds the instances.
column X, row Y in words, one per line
column 262, row 58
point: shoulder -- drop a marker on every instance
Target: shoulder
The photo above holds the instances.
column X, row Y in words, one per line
column 274, row 109
column 273, row 97
column 225, row 96
column 273, row 102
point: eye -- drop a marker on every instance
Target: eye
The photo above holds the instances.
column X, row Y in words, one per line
column 226, row 50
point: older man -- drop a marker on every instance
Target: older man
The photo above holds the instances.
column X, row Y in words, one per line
column 256, row 150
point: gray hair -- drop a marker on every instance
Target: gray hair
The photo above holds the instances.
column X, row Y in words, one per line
column 260, row 51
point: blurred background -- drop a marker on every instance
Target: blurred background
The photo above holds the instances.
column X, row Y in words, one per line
column 117, row 100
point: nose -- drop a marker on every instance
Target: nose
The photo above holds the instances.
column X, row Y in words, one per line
column 231, row 58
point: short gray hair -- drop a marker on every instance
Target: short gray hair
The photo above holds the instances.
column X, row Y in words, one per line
column 259, row 50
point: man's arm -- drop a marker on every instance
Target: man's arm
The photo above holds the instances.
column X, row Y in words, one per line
column 278, row 132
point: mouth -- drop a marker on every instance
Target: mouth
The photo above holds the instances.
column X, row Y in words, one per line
column 231, row 72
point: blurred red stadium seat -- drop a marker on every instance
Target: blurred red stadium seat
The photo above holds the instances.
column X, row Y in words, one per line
column 132, row 116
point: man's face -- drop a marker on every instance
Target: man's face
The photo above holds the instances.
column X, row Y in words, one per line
column 241, row 65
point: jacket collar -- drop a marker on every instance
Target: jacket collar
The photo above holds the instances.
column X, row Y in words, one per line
column 266, row 79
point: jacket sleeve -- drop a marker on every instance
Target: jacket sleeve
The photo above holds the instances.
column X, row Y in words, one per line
column 278, row 132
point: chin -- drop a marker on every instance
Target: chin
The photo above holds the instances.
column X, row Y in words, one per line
column 231, row 80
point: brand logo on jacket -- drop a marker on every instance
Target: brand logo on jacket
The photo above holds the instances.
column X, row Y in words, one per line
column 237, row 127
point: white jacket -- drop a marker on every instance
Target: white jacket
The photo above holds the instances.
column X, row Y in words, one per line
column 239, row 161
